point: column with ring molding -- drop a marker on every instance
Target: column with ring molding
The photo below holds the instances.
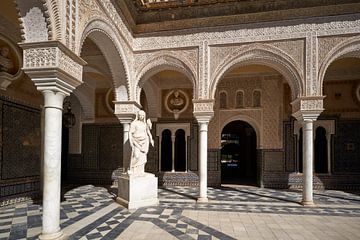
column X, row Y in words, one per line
column 56, row 71
column 203, row 112
column 306, row 110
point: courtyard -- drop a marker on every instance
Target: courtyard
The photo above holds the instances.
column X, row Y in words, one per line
column 233, row 212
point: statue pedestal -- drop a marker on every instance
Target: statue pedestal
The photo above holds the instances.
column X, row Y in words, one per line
column 137, row 191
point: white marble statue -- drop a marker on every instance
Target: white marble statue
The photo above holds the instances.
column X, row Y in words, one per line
column 5, row 62
column 139, row 139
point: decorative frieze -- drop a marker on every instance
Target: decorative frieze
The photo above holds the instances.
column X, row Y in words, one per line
column 126, row 110
column 307, row 108
column 35, row 27
column 52, row 64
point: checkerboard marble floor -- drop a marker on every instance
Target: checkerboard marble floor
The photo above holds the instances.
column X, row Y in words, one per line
column 233, row 212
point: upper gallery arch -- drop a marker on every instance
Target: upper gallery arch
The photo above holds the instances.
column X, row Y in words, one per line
column 109, row 43
column 261, row 54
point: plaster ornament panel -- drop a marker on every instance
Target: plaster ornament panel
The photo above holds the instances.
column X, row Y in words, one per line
column 51, row 57
column 35, row 27
column 69, row 65
column 203, row 106
column 252, row 33
column 184, row 58
column 152, row 63
column 293, row 48
column 53, row 66
column 204, row 66
column 262, row 54
column 326, row 44
column 346, row 48
column 126, row 111
column 311, row 65
column 307, row 108
column 112, row 14
column 176, row 102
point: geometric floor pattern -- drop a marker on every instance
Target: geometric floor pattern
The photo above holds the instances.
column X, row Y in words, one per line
column 233, row 212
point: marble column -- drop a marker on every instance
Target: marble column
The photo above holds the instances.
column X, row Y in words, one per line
column 53, row 102
column 306, row 110
column 203, row 139
column 173, row 152
column 126, row 145
column 308, row 157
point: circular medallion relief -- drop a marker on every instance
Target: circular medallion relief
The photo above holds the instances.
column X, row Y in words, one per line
column 176, row 101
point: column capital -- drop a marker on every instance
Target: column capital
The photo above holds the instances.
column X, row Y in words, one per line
column 307, row 108
column 52, row 66
column 126, row 111
column 203, row 110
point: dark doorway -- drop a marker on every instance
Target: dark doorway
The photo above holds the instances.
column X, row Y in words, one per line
column 180, row 150
column 321, row 154
column 166, row 151
column 238, row 154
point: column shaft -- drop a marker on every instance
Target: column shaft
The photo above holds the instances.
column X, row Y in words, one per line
column 126, row 146
column 203, row 129
column 308, row 154
column 173, row 153
column 52, row 165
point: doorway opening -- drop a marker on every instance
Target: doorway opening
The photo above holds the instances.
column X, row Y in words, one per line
column 238, row 154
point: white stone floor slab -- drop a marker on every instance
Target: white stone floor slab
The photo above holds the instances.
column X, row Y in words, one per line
column 233, row 212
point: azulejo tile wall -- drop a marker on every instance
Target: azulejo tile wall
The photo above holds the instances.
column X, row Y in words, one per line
column 20, row 151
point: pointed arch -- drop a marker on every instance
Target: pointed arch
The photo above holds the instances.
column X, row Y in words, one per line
column 261, row 54
column 160, row 63
column 109, row 44
column 347, row 48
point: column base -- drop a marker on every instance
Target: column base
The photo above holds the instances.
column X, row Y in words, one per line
column 202, row 200
column 51, row 236
column 308, row 203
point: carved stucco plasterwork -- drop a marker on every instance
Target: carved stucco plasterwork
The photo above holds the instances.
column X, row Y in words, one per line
column 347, row 47
column 256, row 54
column 110, row 44
column 112, row 13
column 328, row 43
column 149, row 63
column 51, row 57
column 307, row 108
column 311, row 68
column 53, row 18
column 35, row 26
column 204, row 66
column 267, row 119
column 253, row 33
column 187, row 56
column 293, row 48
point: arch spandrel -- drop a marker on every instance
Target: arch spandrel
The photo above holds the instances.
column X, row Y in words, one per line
column 160, row 62
column 110, row 44
column 262, row 55
column 346, row 48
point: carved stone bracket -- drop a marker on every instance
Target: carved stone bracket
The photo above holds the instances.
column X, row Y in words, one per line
column 52, row 66
column 307, row 108
column 203, row 109
column 126, row 111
